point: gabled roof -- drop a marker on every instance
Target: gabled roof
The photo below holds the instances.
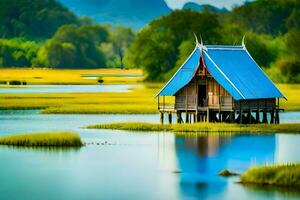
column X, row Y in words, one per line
column 183, row 76
column 232, row 67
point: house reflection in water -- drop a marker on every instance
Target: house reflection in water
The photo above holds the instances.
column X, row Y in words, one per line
column 200, row 159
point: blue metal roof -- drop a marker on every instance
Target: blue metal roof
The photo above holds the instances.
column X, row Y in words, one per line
column 232, row 67
column 236, row 71
column 183, row 76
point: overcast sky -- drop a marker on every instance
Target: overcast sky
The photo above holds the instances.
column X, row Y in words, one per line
column 218, row 3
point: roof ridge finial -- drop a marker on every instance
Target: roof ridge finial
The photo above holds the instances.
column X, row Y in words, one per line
column 243, row 41
column 197, row 41
column 199, row 45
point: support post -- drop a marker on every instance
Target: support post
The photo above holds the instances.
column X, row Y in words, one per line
column 178, row 117
column 277, row 120
column 162, row 118
column 187, row 117
column 257, row 116
column 265, row 120
column 170, row 118
column 207, row 116
column 272, row 116
column 232, row 116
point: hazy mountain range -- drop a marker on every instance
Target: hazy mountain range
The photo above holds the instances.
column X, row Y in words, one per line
column 132, row 13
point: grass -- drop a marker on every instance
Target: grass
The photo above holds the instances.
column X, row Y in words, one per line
column 292, row 92
column 139, row 101
column 202, row 127
column 55, row 139
column 69, row 76
column 280, row 175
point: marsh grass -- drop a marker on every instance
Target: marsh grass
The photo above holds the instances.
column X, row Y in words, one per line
column 292, row 92
column 55, row 139
column 139, row 101
column 68, row 76
column 202, row 127
column 287, row 175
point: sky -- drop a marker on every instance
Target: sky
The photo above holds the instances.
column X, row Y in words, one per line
column 218, row 3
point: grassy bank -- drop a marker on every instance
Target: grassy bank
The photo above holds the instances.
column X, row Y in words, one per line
column 139, row 100
column 280, row 175
column 56, row 139
column 69, row 76
column 202, row 127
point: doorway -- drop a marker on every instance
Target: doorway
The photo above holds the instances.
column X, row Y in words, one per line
column 202, row 96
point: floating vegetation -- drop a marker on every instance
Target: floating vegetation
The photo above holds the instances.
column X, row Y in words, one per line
column 49, row 139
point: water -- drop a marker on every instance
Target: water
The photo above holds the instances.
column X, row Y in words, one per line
column 46, row 89
column 134, row 165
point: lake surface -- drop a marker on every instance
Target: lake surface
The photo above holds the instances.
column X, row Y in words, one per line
column 134, row 165
column 46, row 89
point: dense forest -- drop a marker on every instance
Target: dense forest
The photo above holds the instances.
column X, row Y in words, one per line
column 43, row 33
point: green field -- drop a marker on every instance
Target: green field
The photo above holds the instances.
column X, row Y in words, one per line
column 278, row 175
column 53, row 139
column 202, row 127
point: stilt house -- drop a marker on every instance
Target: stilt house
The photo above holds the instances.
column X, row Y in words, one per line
column 221, row 84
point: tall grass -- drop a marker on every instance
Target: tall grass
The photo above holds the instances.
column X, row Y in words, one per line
column 139, row 101
column 67, row 76
column 55, row 139
column 279, row 175
column 202, row 127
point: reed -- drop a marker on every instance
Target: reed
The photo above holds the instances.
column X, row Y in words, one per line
column 287, row 175
column 49, row 139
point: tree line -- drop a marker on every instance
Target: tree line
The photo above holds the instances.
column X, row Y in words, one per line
column 45, row 34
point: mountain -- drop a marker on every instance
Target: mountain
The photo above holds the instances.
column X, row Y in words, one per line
column 204, row 8
column 132, row 13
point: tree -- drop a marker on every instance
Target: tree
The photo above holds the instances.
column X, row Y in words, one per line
column 121, row 39
column 33, row 19
column 156, row 48
column 74, row 47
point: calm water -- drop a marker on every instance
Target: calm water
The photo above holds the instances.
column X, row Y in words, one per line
column 43, row 89
column 134, row 165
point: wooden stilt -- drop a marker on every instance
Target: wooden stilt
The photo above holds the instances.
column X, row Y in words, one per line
column 231, row 117
column 250, row 117
column 207, row 116
column 162, row 118
column 257, row 117
column 170, row 118
column 187, row 117
column 272, row 117
column 241, row 116
column 277, row 120
column 178, row 117
column 265, row 120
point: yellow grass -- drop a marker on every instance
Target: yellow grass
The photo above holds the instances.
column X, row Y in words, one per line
column 202, row 127
column 68, row 76
column 292, row 92
column 140, row 100
column 57, row 139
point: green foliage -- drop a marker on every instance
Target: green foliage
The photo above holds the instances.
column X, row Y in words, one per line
column 264, row 16
column 74, row 46
column 17, row 52
column 156, row 47
column 32, row 18
column 278, row 175
column 116, row 48
column 55, row 139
